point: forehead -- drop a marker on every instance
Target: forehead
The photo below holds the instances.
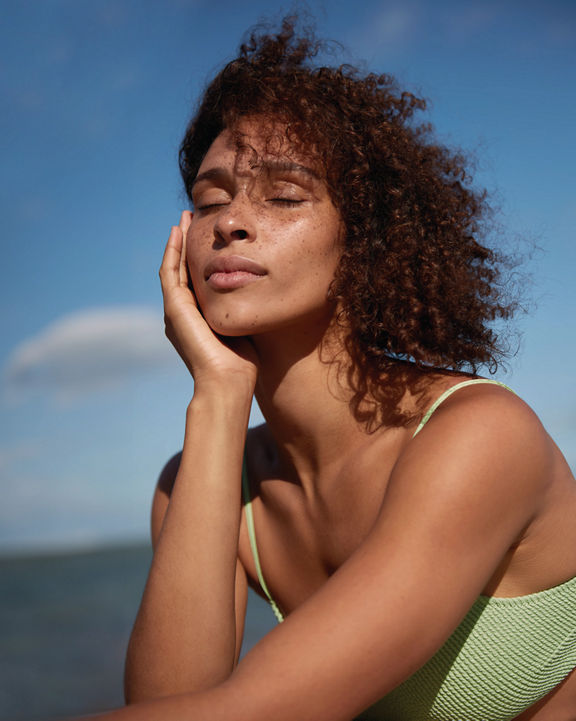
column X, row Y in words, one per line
column 256, row 145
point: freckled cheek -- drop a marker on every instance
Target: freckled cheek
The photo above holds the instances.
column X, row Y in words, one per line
column 309, row 250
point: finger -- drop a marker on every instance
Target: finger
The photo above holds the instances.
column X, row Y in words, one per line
column 185, row 220
column 170, row 268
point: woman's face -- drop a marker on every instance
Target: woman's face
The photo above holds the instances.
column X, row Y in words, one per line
column 265, row 238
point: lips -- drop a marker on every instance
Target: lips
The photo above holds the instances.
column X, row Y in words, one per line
column 233, row 271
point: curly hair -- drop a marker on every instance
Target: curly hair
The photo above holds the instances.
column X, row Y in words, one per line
column 417, row 286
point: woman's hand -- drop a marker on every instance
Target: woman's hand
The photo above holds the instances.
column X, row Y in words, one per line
column 207, row 356
column 188, row 631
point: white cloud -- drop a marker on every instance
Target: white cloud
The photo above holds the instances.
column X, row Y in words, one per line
column 464, row 23
column 43, row 514
column 396, row 24
column 90, row 350
column 394, row 27
column 17, row 453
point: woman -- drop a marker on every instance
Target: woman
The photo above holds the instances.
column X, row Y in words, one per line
column 411, row 523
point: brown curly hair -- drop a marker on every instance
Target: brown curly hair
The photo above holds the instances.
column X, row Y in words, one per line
column 417, row 287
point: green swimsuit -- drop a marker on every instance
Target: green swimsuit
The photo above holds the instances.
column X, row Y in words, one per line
column 505, row 655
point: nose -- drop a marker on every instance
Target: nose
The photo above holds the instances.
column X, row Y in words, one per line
column 235, row 222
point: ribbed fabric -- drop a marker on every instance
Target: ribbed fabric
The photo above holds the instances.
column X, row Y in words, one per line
column 505, row 655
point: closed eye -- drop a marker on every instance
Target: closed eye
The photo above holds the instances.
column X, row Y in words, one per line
column 208, row 206
column 285, row 201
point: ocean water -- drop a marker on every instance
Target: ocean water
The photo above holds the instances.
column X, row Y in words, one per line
column 65, row 621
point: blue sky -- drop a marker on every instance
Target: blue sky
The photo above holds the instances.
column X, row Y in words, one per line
column 96, row 96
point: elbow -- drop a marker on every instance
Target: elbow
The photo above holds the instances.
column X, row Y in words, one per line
column 138, row 685
column 138, row 692
column 138, row 688
column 132, row 694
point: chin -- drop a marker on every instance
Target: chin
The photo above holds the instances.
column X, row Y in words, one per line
column 233, row 326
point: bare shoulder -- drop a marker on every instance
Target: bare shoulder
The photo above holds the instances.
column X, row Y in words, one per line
column 162, row 494
column 482, row 464
column 260, row 453
column 168, row 474
column 480, row 397
column 490, row 421
column 257, row 438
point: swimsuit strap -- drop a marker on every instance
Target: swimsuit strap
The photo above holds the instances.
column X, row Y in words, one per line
column 252, row 535
column 449, row 392
column 248, row 499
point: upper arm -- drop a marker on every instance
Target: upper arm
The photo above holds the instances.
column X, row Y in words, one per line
column 460, row 495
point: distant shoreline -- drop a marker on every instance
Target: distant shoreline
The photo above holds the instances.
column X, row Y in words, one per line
column 59, row 551
column 65, row 620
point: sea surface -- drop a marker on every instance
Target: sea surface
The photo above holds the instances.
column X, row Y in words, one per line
column 65, row 621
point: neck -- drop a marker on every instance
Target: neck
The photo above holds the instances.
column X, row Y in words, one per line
column 306, row 406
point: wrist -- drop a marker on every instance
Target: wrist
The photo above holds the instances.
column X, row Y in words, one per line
column 220, row 398
column 231, row 387
column 217, row 418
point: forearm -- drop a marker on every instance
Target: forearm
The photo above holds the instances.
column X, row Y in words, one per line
column 199, row 706
column 184, row 637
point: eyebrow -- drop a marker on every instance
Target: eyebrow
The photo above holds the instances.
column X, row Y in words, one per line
column 212, row 174
column 271, row 166
column 287, row 166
